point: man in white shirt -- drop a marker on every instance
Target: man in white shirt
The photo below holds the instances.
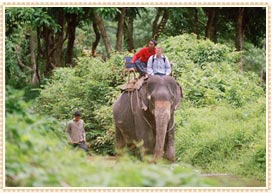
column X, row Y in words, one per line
column 158, row 64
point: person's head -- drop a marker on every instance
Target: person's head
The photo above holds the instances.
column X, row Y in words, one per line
column 77, row 116
column 159, row 51
column 152, row 44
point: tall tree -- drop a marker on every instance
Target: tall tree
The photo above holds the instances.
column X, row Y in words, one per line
column 186, row 20
column 210, row 31
column 48, row 36
column 35, row 76
column 60, row 38
column 158, row 25
column 72, row 22
column 196, row 22
column 97, row 38
column 120, row 28
column 131, row 14
column 239, row 29
column 130, row 33
column 240, row 33
column 103, row 32
column 255, row 25
column 73, row 16
column 33, row 19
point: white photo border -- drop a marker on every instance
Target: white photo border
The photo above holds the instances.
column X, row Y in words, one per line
column 267, row 4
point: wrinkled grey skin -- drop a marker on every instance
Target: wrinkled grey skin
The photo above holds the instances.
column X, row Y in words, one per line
column 148, row 114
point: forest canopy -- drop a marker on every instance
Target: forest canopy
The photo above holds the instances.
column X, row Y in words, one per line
column 39, row 39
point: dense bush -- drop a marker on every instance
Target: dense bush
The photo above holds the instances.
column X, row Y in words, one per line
column 219, row 137
column 209, row 72
column 221, row 121
column 38, row 155
column 254, row 59
column 14, row 75
column 90, row 87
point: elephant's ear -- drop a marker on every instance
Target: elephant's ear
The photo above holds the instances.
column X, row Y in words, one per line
column 143, row 97
column 179, row 96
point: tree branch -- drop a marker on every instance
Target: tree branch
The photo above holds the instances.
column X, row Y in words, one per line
column 65, row 38
column 155, row 22
column 20, row 63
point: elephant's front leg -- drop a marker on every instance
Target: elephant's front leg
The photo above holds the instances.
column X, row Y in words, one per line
column 169, row 147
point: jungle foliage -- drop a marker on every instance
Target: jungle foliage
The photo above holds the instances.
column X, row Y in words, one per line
column 55, row 58
column 213, row 87
column 38, row 155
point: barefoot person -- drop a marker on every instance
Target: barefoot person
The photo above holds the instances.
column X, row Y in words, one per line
column 76, row 132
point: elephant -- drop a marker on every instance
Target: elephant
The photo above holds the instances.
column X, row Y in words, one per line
column 147, row 114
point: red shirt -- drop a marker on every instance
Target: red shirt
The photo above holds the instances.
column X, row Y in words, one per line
column 143, row 54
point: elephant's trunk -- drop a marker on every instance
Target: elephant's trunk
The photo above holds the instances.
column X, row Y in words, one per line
column 162, row 117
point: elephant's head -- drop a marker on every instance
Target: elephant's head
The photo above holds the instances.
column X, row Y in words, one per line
column 161, row 96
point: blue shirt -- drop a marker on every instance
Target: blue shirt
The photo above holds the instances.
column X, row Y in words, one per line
column 158, row 66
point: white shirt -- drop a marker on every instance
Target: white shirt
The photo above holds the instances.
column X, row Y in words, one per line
column 158, row 66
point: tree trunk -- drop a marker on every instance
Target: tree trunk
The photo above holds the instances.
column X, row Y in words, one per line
column 40, row 50
column 103, row 32
column 60, row 38
column 120, row 29
column 97, row 38
column 195, row 21
column 49, row 50
column 210, row 32
column 130, row 34
column 155, row 22
column 240, row 33
column 158, row 28
column 262, row 71
column 71, row 30
column 35, row 77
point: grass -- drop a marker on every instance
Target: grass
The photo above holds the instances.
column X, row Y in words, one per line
column 223, row 139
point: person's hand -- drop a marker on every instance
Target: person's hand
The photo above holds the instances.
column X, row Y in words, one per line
column 146, row 76
column 131, row 62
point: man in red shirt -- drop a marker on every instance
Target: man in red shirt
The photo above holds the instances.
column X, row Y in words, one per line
column 140, row 58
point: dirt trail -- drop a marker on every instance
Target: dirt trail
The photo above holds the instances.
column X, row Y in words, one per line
column 229, row 180
column 110, row 159
column 225, row 180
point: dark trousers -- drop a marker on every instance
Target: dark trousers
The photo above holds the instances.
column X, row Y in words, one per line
column 82, row 145
column 141, row 67
column 159, row 74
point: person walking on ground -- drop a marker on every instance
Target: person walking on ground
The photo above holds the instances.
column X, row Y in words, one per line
column 143, row 56
column 76, row 132
column 158, row 64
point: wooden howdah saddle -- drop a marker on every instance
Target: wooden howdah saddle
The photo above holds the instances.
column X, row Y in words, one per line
column 131, row 83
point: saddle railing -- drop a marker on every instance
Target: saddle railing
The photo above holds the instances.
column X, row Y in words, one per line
column 128, row 69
